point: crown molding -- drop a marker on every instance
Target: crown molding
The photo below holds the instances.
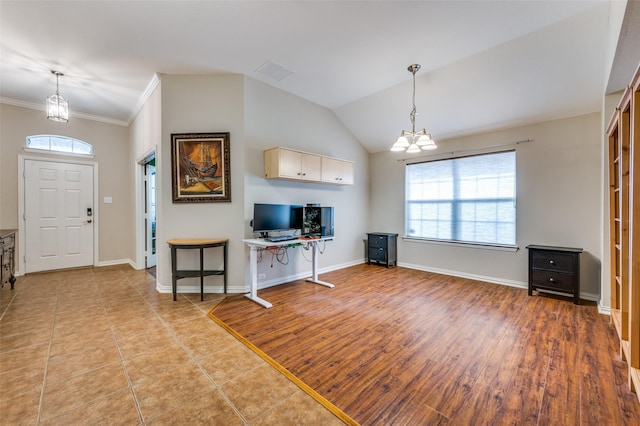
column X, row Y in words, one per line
column 40, row 107
column 155, row 81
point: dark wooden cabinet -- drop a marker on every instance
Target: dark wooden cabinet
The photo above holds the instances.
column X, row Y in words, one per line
column 382, row 247
column 555, row 269
column 7, row 257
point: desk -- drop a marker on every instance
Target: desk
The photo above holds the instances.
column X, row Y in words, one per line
column 201, row 244
column 256, row 244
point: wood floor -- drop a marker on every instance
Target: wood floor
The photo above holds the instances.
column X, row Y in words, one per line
column 399, row 346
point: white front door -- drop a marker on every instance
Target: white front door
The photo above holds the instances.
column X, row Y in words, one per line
column 58, row 215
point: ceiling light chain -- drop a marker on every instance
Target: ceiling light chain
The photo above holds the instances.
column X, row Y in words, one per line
column 57, row 108
column 414, row 141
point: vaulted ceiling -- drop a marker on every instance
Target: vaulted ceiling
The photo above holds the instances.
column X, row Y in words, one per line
column 485, row 64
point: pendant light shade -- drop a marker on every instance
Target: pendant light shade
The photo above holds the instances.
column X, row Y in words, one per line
column 413, row 142
column 57, row 108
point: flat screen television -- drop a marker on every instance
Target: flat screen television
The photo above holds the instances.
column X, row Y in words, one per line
column 276, row 217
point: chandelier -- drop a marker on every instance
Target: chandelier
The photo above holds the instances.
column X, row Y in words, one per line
column 413, row 141
column 57, row 108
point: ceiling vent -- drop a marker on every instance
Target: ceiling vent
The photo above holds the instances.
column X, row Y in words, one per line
column 274, row 71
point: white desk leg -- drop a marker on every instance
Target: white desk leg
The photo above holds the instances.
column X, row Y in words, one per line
column 253, row 267
column 314, row 266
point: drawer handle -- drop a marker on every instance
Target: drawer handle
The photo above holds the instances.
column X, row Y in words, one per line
column 551, row 280
column 552, row 262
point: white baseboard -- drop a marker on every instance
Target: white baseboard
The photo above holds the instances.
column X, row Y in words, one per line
column 117, row 262
column 236, row 289
column 239, row 289
column 494, row 280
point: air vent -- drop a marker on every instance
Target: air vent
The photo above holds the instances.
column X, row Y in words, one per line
column 274, row 71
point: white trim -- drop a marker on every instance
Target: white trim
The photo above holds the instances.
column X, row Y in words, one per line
column 21, row 200
column 139, row 204
column 245, row 288
column 155, row 81
column 41, row 107
column 461, row 244
column 493, row 280
column 115, row 262
column 604, row 310
column 50, row 152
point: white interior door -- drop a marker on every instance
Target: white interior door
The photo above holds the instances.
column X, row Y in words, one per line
column 58, row 215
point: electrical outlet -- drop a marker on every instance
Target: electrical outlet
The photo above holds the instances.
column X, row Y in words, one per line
column 262, row 276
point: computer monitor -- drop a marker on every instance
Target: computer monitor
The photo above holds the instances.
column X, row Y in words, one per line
column 276, row 217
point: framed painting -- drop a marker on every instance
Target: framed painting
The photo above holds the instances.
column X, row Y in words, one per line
column 200, row 167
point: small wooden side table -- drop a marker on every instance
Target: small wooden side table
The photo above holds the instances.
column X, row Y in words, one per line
column 200, row 244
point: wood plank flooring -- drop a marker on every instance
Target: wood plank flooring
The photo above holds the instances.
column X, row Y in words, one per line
column 399, row 346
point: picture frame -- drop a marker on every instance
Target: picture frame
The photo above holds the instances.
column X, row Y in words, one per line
column 200, row 167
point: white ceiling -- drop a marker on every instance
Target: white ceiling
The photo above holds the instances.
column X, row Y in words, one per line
column 485, row 64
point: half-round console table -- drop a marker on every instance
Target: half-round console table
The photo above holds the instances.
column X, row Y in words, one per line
column 200, row 244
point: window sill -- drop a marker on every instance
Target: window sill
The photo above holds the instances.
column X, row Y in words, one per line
column 462, row 244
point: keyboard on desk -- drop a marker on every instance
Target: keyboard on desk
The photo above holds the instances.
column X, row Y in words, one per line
column 281, row 238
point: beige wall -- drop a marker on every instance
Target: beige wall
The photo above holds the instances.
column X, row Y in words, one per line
column 195, row 104
column 558, row 202
column 559, row 180
column 145, row 134
column 110, row 144
column 275, row 118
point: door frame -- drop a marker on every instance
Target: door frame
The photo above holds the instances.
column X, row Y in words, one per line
column 20, row 261
column 140, row 206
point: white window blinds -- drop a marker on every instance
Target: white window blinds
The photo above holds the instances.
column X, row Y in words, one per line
column 467, row 199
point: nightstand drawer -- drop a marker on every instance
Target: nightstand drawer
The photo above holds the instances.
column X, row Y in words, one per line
column 552, row 280
column 553, row 261
column 378, row 241
column 378, row 254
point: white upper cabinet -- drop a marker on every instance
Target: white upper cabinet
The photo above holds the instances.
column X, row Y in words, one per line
column 285, row 163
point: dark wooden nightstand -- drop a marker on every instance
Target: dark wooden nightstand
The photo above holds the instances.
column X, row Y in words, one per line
column 556, row 269
column 382, row 247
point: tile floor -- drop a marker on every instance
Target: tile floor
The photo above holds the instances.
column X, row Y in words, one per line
column 101, row 346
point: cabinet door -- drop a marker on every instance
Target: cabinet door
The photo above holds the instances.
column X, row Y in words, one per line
column 347, row 173
column 290, row 164
column 337, row 171
column 331, row 170
column 311, row 166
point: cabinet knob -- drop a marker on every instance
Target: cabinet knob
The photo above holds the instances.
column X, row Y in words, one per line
column 552, row 262
column 551, row 280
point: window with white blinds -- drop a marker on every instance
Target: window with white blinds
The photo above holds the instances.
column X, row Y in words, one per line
column 468, row 199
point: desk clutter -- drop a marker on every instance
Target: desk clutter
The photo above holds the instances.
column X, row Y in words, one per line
column 280, row 252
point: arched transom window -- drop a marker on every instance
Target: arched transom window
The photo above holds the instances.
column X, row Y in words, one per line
column 55, row 144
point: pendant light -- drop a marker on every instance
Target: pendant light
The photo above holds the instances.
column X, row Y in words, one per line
column 57, row 108
column 413, row 141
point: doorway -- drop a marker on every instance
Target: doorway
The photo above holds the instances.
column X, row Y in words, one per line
column 59, row 215
column 150, row 211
